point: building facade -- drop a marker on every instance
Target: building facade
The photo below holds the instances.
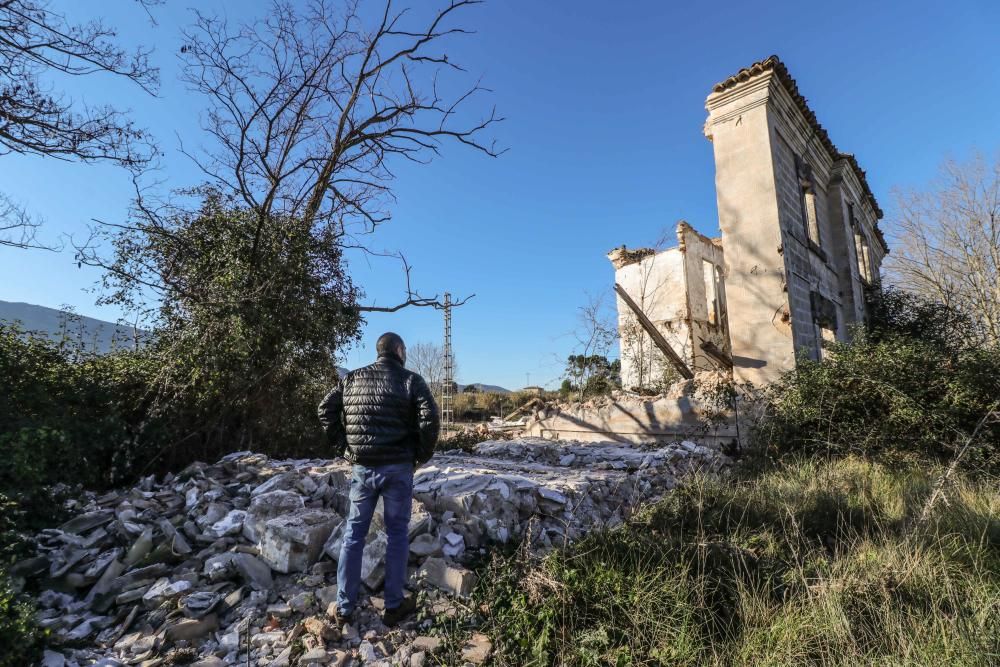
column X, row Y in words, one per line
column 800, row 239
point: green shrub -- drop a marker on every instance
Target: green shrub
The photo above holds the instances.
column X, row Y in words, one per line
column 912, row 385
column 21, row 640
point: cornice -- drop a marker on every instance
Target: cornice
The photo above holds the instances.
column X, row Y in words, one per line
column 748, row 79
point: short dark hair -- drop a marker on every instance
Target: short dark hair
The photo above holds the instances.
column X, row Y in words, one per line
column 388, row 344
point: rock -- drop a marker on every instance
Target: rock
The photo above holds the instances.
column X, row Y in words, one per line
column 147, row 582
column 140, row 548
column 451, row 578
column 326, row 596
column 79, row 525
column 367, row 652
column 338, row 659
column 425, row 545
column 253, row 570
column 163, row 590
column 373, row 561
column 200, row 603
column 231, row 524
column 293, row 542
column 279, row 610
column 313, row 657
column 284, row 659
column 552, row 494
column 302, row 602
column 53, row 659
column 267, row 506
column 210, row 661
column 230, row 641
column 427, row 644
column 477, row 650
column 321, row 628
column 265, row 638
column 454, row 545
column 192, row 628
column 280, row 481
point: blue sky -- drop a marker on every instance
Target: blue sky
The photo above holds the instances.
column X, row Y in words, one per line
column 605, row 107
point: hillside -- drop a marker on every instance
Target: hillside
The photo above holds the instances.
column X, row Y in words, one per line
column 97, row 335
column 485, row 388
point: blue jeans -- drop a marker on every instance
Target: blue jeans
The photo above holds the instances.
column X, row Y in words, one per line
column 394, row 483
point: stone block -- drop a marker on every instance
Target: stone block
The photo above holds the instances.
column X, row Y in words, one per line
column 267, row 506
column 231, row 524
column 373, row 561
column 293, row 542
column 191, row 628
column 449, row 577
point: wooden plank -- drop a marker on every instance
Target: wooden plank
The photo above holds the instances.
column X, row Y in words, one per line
column 655, row 334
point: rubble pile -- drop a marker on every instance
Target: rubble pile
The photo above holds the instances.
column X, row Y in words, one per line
column 234, row 563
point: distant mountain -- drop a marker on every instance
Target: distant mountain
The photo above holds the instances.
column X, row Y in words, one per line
column 486, row 388
column 96, row 335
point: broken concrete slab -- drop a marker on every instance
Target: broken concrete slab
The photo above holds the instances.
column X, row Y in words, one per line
column 267, row 506
column 449, row 577
column 293, row 542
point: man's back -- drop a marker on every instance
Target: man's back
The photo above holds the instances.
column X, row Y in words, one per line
column 381, row 414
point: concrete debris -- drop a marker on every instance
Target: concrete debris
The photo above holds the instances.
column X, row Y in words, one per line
column 234, row 562
column 293, row 542
column 477, row 650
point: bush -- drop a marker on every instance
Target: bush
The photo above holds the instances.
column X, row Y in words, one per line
column 21, row 640
column 809, row 563
column 912, row 385
column 108, row 415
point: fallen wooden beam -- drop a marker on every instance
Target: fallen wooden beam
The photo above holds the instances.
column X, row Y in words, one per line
column 717, row 355
column 655, row 334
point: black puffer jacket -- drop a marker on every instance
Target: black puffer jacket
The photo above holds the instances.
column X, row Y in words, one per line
column 381, row 414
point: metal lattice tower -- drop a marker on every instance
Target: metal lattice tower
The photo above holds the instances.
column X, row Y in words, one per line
column 448, row 384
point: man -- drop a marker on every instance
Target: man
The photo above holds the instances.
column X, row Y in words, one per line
column 382, row 418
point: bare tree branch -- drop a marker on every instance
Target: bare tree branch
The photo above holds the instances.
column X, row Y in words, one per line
column 35, row 43
column 947, row 241
column 413, row 298
column 307, row 108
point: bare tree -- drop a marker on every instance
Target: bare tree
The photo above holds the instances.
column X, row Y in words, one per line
column 946, row 244
column 595, row 335
column 36, row 42
column 308, row 108
column 427, row 359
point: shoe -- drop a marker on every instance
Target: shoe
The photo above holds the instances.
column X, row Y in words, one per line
column 392, row 617
column 340, row 617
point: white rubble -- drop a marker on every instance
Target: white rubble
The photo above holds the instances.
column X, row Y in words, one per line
column 234, row 562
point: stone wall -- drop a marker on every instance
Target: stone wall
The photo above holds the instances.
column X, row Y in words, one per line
column 682, row 291
column 794, row 214
column 687, row 411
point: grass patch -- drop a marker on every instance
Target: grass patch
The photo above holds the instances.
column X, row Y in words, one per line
column 821, row 563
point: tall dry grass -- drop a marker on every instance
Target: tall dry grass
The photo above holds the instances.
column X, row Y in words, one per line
column 812, row 563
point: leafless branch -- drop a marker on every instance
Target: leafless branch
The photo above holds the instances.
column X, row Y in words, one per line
column 947, row 241
column 307, row 108
column 413, row 298
column 18, row 228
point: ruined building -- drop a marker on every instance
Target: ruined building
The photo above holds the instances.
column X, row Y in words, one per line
column 800, row 243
